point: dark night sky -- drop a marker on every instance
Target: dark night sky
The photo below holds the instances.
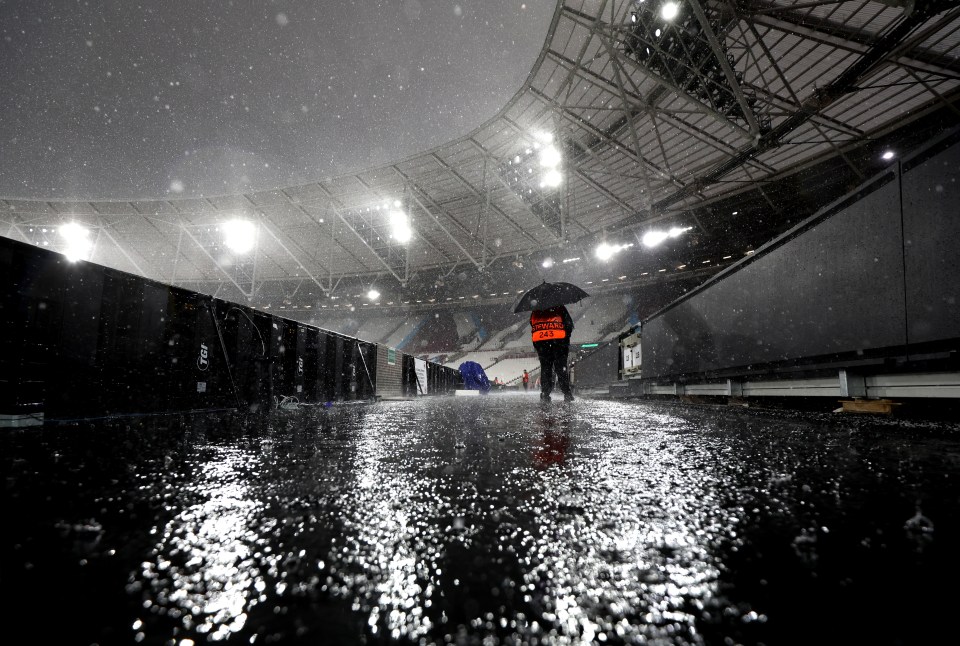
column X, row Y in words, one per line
column 119, row 100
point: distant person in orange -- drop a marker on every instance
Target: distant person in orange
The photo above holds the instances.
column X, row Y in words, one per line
column 526, row 381
column 551, row 330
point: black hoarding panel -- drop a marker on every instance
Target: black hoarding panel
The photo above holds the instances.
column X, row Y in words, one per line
column 931, row 231
column 835, row 288
column 118, row 362
column 350, row 369
column 365, row 362
column 298, row 358
column 193, row 358
column 31, row 310
column 282, row 375
column 245, row 348
column 341, row 366
column 292, row 359
column 329, row 368
column 325, row 370
column 73, row 382
column 311, row 365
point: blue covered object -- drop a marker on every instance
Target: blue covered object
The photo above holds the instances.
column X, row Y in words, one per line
column 474, row 378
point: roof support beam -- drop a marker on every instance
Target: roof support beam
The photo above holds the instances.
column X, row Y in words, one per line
column 401, row 279
column 334, row 204
column 473, row 191
column 420, row 234
column 414, row 192
column 818, row 101
column 103, row 228
column 176, row 224
column 122, row 250
column 656, row 78
column 494, row 207
column 625, row 106
column 470, row 187
column 783, row 79
column 216, row 264
column 300, row 207
column 725, row 66
column 279, row 241
column 602, row 136
column 282, row 240
column 844, row 38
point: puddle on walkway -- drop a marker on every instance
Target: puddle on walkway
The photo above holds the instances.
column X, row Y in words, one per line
column 483, row 520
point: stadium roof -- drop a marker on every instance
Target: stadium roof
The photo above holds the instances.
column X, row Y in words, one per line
column 628, row 120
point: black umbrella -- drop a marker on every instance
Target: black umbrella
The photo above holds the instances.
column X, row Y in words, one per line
column 547, row 295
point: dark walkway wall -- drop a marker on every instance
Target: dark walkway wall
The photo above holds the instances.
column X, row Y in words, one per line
column 598, row 367
column 870, row 276
column 931, row 234
column 78, row 340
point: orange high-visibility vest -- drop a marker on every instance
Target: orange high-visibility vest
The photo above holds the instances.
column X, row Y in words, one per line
column 547, row 326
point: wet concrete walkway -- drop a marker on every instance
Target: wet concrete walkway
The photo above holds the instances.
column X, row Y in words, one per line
column 492, row 520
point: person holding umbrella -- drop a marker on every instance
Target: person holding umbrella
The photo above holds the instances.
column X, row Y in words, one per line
column 551, row 327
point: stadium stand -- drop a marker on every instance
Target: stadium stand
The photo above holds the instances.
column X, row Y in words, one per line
column 377, row 328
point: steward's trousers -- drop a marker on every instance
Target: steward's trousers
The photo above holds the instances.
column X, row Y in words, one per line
column 553, row 359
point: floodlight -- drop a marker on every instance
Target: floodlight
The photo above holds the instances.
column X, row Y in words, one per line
column 888, row 155
column 239, row 235
column 653, row 238
column 552, row 178
column 547, row 263
column 549, row 156
column 78, row 244
column 669, row 10
column 606, row 251
column 400, row 226
column 373, row 294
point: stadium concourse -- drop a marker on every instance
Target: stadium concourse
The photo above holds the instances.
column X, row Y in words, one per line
column 243, row 255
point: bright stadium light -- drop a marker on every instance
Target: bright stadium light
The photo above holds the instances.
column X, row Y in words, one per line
column 544, row 137
column 669, row 10
column 552, row 178
column 655, row 237
column 549, row 157
column 373, row 294
column 239, row 235
column 78, row 243
column 400, row 226
column 606, row 251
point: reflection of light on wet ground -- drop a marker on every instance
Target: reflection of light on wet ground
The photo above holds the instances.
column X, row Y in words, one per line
column 602, row 563
column 490, row 520
column 388, row 562
column 207, row 566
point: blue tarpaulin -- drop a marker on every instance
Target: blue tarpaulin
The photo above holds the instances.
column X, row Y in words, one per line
column 474, row 378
